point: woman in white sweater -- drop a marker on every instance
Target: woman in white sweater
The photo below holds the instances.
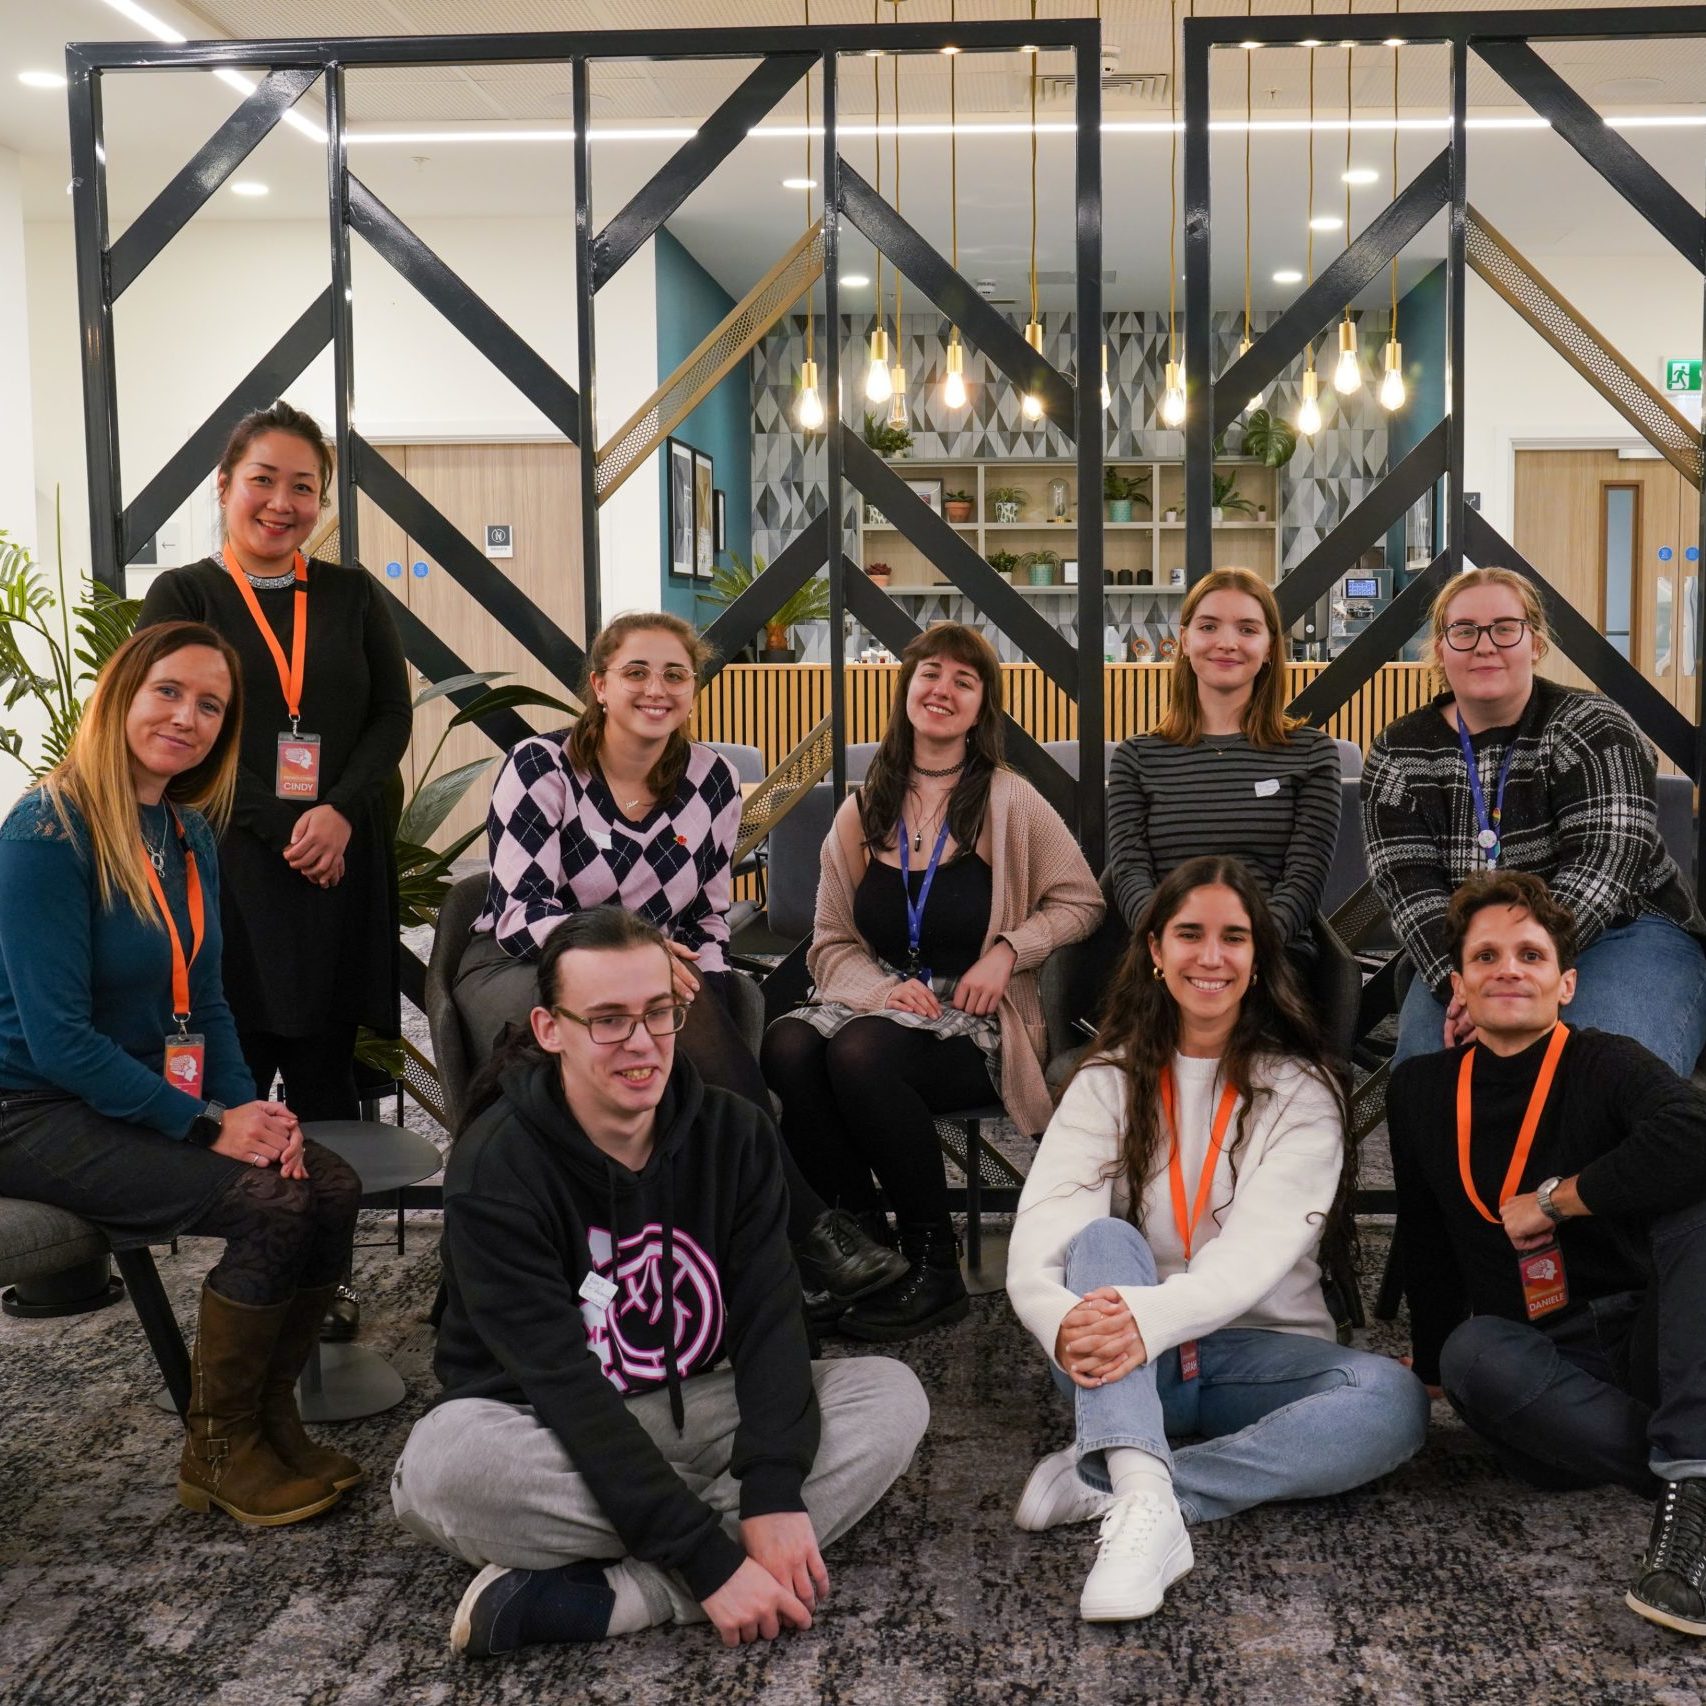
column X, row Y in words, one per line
column 1165, row 1253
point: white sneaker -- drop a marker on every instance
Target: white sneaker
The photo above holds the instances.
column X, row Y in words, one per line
column 1056, row 1494
column 1142, row 1550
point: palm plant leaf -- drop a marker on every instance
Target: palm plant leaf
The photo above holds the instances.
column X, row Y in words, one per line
column 434, row 801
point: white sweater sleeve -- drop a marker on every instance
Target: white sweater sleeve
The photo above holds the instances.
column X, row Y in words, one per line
column 1288, row 1175
column 1071, row 1183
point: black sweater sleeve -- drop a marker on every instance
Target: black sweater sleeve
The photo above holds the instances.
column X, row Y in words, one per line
column 1434, row 1285
column 384, row 737
column 776, row 1442
column 1659, row 1162
column 511, row 1280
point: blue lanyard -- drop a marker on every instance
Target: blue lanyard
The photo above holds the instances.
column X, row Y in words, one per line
column 1487, row 839
column 915, row 914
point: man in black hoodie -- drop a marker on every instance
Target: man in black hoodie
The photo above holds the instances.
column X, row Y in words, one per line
column 614, row 1230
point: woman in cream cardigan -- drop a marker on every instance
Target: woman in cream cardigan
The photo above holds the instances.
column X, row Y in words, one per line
column 1167, row 1252
column 947, row 881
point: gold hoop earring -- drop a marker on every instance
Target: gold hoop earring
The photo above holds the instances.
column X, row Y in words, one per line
column 1155, row 967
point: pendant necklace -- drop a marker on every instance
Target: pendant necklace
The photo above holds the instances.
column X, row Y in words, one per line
column 156, row 855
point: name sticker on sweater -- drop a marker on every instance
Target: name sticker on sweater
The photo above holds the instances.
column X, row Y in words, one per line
column 597, row 1290
column 1266, row 790
column 601, row 838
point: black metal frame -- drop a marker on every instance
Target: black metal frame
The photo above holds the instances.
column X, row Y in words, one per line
column 105, row 268
column 1502, row 40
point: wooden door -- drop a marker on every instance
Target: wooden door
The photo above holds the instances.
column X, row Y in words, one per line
column 385, row 551
column 535, row 488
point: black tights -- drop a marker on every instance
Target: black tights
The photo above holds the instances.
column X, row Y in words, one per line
column 860, row 1103
column 710, row 1040
column 282, row 1235
column 319, row 1071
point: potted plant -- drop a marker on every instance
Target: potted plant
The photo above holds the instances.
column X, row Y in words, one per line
column 1009, row 503
column 1228, row 497
column 958, row 505
column 1120, row 492
column 879, row 573
column 1004, row 563
column 1042, row 568
column 1268, row 438
column 809, row 604
column 886, row 440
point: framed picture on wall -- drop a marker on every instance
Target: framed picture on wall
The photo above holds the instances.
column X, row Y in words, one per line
column 681, row 552
column 720, row 532
column 930, row 491
column 704, row 518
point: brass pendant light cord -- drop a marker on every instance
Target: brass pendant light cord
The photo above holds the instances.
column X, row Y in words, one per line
column 895, row 103
column 1350, row 7
column 1034, row 172
column 877, row 145
column 1172, row 176
column 1249, row 72
column 1397, row 6
column 1309, row 246
column 809, row 301
column 954, row 140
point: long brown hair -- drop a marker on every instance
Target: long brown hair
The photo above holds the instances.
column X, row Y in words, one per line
column 587, row 736
column 884, row 792
column 95, row 776
column 1139, row 1033
column 1265, row 723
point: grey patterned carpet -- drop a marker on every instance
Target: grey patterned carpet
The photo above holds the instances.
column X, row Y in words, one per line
column 1444, row 1584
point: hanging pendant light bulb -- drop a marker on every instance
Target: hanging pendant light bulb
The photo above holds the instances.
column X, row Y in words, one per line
column 1392, row 393
column 1173, row 397
column 1107, row 394
column 1309, row 416
column 878, row 385
column 897, row 373
column 809, row 412
column 1244, row 344
column 1031, row 405
column 1347, row 375
column 954, row 384
column 1173, row 391
column 897, row 396
column 1244, row 348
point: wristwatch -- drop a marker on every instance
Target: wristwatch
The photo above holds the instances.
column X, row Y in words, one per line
column 1543, row 1196
column 204, row 1128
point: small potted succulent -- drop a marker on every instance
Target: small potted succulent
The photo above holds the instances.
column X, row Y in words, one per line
column 958, row 505
column 880, row 573
column 1228, row 497
column 1120, row 492
column 1009, row 503
column 888, row 441
column 1042, row 568
column 1005, row 563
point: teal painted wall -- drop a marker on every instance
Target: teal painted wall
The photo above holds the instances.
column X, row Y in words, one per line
column 690, row 303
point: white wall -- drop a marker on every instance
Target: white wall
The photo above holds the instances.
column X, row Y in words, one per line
column 219, row 297
column 1519, row 390
column 17, row 426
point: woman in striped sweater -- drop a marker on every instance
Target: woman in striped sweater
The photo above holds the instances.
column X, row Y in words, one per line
column 1225, row 771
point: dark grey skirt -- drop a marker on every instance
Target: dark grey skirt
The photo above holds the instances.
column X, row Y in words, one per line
column 138, row 1186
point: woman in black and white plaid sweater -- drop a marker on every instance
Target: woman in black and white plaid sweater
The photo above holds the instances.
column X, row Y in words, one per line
column 1561, row 783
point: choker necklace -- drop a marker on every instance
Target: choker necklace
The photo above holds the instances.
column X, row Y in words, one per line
column 953, row 769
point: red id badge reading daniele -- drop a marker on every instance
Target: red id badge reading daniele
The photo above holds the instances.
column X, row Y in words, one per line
column 298, row 767
column 186, row 1063
column 1188, row 1365
column 1544, row 1287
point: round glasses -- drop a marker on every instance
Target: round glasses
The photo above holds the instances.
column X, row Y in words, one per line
column 672, row 678
column 609, row 1029
column 1505, row 633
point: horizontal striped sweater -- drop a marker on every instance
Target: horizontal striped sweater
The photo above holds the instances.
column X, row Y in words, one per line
column 1580, row 810
column 1275, row 808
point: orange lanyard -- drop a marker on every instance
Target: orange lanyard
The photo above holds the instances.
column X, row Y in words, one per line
column 289, row 677
column 1525, row 1135
column 198, row 923
column 1187, row 1225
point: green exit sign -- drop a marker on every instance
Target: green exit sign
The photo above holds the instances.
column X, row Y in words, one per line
column 1682, row 375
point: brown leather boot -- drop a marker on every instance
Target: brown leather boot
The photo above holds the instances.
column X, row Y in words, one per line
column 281, row 1421
column 226, row 1460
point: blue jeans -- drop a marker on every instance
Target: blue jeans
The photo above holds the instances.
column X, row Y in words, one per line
column 1282, row 1416
column 1646, row 980
column 1614, row 1392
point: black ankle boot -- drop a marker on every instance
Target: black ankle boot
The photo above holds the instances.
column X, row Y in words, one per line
column 929, row 1294
column 1671, row 1585
column 840, row 1257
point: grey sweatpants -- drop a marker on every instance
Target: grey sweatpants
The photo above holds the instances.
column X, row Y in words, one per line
column 491, row 1484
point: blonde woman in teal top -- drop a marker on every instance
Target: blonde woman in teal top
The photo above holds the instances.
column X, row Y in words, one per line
column 123, row 1093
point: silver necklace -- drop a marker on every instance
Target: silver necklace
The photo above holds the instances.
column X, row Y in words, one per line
column 156, row 855
column 270, row 583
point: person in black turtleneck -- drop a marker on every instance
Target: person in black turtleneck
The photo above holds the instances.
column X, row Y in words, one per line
column 614, row 1229
column 1554, row 1252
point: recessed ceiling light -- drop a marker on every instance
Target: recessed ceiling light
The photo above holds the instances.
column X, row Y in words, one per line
column 799, row 183
column 1362, row 175
column 249, row 187
column 855, row 280
column 41, row 79
column 1325, row 222
column 1288, row 275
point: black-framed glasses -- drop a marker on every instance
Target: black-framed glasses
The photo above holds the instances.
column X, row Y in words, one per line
column 1505, row 633
column 608, row 1029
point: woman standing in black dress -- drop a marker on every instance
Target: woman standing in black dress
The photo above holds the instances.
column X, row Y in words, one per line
column 308, row 890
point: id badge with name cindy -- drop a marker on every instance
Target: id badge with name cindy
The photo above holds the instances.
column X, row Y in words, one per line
column 1190, row 1365
column 1544, row 1287
column 298, row 774
column 186, row 1063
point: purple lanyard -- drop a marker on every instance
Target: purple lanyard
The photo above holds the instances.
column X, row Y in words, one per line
column 915, row 914
column 1487, row 838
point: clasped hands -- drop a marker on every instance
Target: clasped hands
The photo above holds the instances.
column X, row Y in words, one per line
column 1098, row 1341
column 978, row 990
column 780, row 1584
column 316, row 846
column 260, row 1134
